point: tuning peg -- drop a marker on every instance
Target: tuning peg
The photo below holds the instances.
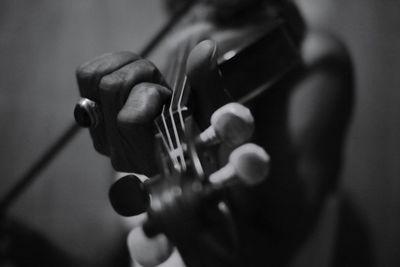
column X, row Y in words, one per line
column 149, row 251
column 249, row 163
column 128, row 196
column 231, row 124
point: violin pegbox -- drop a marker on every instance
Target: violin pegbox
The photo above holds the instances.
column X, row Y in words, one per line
column 193, row 198
column 233, row 125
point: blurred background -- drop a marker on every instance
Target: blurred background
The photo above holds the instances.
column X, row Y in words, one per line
column 42, row 42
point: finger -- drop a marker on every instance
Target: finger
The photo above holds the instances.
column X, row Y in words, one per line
column 89, row 74
column 205, row 80
column 88, row 77
column 143, row 105
column 116, row 86
column 114, row 90
column 148, row 251
column 135, row 124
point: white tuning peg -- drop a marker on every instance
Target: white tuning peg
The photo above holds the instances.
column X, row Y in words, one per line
column 249, row 163
column 149, row 252
column 231, row 124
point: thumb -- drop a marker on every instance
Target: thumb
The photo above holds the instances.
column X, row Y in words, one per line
column 205, row 80
column 148, row 251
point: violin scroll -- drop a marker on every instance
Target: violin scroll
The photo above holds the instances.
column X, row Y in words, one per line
column 248, row 164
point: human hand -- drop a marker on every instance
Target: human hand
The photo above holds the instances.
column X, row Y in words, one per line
column 130, row 92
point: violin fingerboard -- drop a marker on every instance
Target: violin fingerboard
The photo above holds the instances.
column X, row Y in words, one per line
column 262, row 63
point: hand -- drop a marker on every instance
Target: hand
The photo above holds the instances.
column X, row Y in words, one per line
column 130, row 92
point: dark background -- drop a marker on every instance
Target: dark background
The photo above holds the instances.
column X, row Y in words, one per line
column 41, row 43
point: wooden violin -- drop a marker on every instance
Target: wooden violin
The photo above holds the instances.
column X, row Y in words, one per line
column 187, row 201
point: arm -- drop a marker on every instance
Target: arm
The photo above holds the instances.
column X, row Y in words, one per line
column 317, row 113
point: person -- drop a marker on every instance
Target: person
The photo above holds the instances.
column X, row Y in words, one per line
column 301, row 123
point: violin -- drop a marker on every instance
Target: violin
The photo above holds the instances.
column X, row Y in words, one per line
column 187, row 201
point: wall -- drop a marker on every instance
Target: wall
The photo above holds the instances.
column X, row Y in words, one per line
column 371, row 175
column 41, row 43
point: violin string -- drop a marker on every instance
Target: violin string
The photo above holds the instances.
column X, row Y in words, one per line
column 178, row 150
column 173, row 75
column 184, row 87
column 177, row 71
column 163, row 138
column 169, row 144
column 180, row 104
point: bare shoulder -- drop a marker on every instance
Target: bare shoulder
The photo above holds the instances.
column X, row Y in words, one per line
column 323, row 49
column 322, row 100
column 328, row 69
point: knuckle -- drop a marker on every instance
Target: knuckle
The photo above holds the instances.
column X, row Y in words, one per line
column 126, row 119
column 149, row 97
column 126, row 54
column 126, row 76
column 155, row 93
column 84, row 71
column 91, row 68
column 133, row 118
column 150, row 90
column 138, row 108
column 110, row 83
column 148, row 67
column 102, row 63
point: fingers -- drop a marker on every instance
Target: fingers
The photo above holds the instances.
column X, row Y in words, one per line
column 205, row 80
column 202, row 61
column 115, row 87
column 143, row 105
column 89, row 74
column 131, row 98
column 130, row 92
